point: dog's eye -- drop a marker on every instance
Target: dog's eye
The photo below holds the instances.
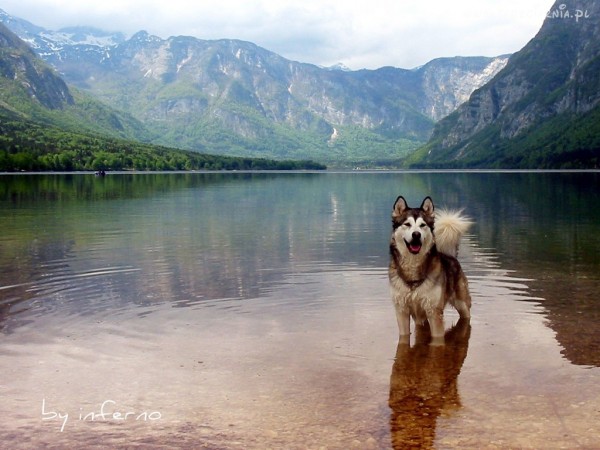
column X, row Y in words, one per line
column 423, row 225
column 406, row 224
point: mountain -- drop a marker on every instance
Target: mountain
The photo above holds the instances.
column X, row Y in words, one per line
column 233, row 97
column 32, row 90
column 44, row 125
column 541, row 111
column 51, row 43
column 448, row 82
column 32, row 79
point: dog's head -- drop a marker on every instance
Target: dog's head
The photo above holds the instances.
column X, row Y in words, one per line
column 413, row 227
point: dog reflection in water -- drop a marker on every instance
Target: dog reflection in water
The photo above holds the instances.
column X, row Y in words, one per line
column 423, row 384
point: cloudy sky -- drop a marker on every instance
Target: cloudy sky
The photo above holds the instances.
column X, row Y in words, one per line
column 360, row 34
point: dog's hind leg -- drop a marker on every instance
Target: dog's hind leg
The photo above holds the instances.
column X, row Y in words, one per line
column 463, row 310
column 462, row 302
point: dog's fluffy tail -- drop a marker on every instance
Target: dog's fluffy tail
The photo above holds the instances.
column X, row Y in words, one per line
column 449, row 228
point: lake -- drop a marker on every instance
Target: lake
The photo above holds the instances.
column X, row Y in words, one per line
column 252, row 310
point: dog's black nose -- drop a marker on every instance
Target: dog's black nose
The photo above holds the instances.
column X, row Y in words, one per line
column 416, row 235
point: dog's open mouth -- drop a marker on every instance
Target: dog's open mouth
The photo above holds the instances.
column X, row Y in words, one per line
column 414, row 246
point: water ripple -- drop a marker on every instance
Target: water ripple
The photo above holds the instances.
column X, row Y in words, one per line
column 54, row 281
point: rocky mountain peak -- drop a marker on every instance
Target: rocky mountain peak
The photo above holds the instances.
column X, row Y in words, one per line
column 450, row 81
column 85, row 36
column 553, row 81
column 20, row 67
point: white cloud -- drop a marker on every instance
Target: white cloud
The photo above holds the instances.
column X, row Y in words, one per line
column 401, row 33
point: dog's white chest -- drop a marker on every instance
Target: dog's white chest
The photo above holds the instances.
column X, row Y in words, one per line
column 419, row 300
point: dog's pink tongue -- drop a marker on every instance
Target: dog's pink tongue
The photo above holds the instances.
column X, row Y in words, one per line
column 414, row 248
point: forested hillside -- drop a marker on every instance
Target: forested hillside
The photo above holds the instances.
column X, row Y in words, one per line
column 26, row 146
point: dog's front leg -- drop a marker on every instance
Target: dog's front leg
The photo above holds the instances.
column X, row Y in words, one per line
column 403, row 318
column 435, row 318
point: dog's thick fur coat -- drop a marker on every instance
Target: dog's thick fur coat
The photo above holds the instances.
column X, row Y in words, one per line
column 424, row 273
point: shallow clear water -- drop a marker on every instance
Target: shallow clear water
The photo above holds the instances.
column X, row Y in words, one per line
column 252, row 311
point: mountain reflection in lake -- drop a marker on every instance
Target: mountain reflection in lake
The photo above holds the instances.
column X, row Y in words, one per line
column 252, row 311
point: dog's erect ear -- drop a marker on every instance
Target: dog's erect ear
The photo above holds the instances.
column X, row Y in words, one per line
column 427, row 206
column 399, row 207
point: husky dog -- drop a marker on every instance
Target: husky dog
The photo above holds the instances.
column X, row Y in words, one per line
column 424, row 272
